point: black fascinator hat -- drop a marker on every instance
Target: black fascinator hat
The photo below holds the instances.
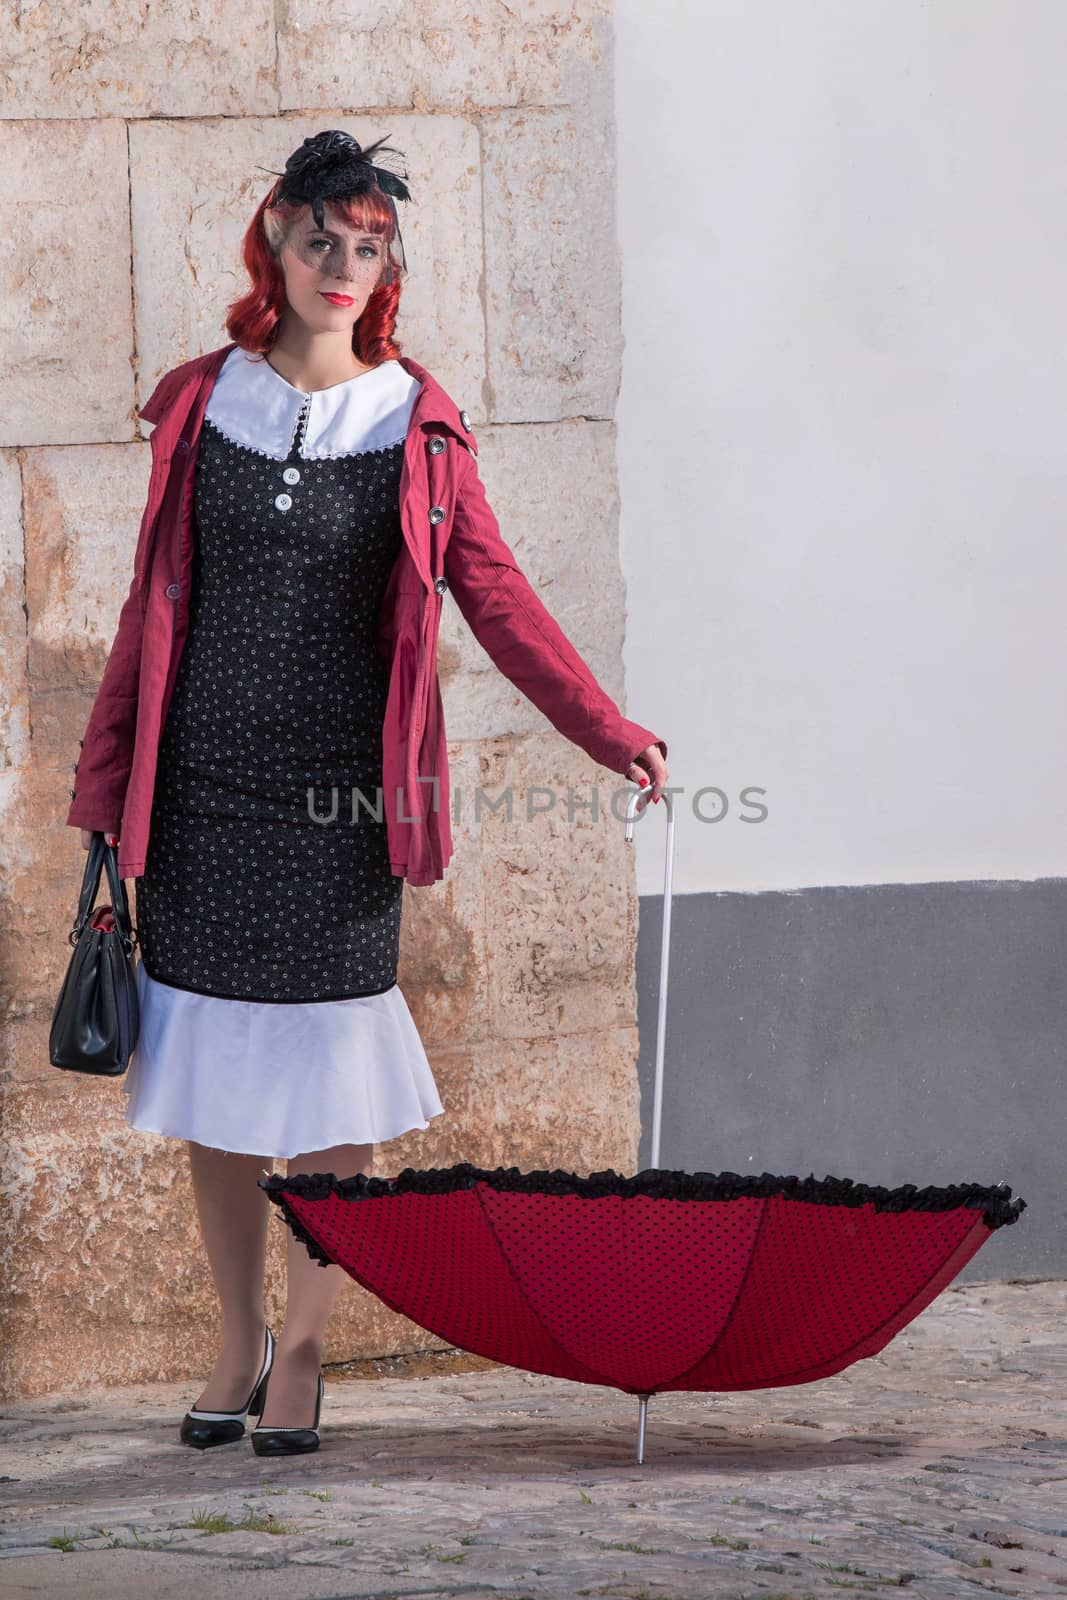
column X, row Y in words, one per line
column 333, row 165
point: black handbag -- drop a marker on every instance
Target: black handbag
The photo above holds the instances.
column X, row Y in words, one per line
column 97, row 1016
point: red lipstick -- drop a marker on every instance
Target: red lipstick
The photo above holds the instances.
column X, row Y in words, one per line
column 337, row 299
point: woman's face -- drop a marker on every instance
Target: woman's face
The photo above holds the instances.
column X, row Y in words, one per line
column 339, row 260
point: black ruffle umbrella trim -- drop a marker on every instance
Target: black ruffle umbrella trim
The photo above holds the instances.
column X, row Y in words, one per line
column 995, row 1203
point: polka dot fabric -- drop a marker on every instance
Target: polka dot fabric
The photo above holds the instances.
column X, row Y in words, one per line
column 258, row 882
column 649, row 1283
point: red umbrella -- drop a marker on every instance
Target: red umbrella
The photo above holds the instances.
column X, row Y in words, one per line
column 664, row 1280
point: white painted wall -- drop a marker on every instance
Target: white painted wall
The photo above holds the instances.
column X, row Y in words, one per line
column 842, row 432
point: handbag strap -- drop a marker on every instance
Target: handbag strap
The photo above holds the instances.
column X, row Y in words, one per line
column 102, row 855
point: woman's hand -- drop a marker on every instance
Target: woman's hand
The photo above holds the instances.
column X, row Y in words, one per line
column 649, row 761
column 87, row 838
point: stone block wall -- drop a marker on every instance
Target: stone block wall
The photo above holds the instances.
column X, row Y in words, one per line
column 133, row 145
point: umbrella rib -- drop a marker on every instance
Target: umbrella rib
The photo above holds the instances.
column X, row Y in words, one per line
column 303, row 1231
column 599, row 1376
column 791, row 1377
column 872, row 1333
column 737, row 1297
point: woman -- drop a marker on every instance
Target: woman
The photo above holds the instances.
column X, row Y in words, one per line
column 272, row 1025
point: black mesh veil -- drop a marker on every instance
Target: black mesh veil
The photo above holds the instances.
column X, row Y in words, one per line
column 332, row 165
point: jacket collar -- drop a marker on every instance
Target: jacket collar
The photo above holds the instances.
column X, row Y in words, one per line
column 433, row 407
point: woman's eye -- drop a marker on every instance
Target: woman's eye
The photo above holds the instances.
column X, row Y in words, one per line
column 373, row 248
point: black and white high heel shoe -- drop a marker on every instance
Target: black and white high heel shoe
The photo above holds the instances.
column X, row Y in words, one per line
column 289, row 1441
column 205, row 1428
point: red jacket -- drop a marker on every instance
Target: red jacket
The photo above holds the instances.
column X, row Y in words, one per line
column 451, row 541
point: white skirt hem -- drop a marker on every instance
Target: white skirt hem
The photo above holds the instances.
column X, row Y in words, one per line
column 255, row 1078
column 276, row 1155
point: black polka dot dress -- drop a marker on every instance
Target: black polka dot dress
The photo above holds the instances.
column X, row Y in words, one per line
column 268, row 914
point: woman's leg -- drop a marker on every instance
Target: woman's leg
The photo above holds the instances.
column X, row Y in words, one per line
column 233, row 1213
column 310, row 1295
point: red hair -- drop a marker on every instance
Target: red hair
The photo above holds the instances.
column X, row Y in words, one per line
column 252, row 321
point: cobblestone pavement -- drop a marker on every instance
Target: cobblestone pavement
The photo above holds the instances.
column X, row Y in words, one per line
column 938, row 1468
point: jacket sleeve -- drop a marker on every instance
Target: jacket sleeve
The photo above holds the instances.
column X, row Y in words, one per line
column 103, row 768
column 106, row 754
column 523, row 639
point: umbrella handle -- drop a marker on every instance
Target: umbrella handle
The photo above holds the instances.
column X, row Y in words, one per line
column 664, row 954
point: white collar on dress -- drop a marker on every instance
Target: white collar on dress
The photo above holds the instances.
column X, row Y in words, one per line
column 254, row 405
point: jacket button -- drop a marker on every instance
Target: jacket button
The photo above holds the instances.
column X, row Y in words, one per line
column 437, row 513
column 71, row 793
column 440, row 585
column 283, row 501
column 182, row 444
column 466, row 421
column 291, row 475
column 436, row 445
column 173, row 591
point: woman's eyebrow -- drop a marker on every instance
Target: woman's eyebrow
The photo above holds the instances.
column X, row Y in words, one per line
column 333, row 235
